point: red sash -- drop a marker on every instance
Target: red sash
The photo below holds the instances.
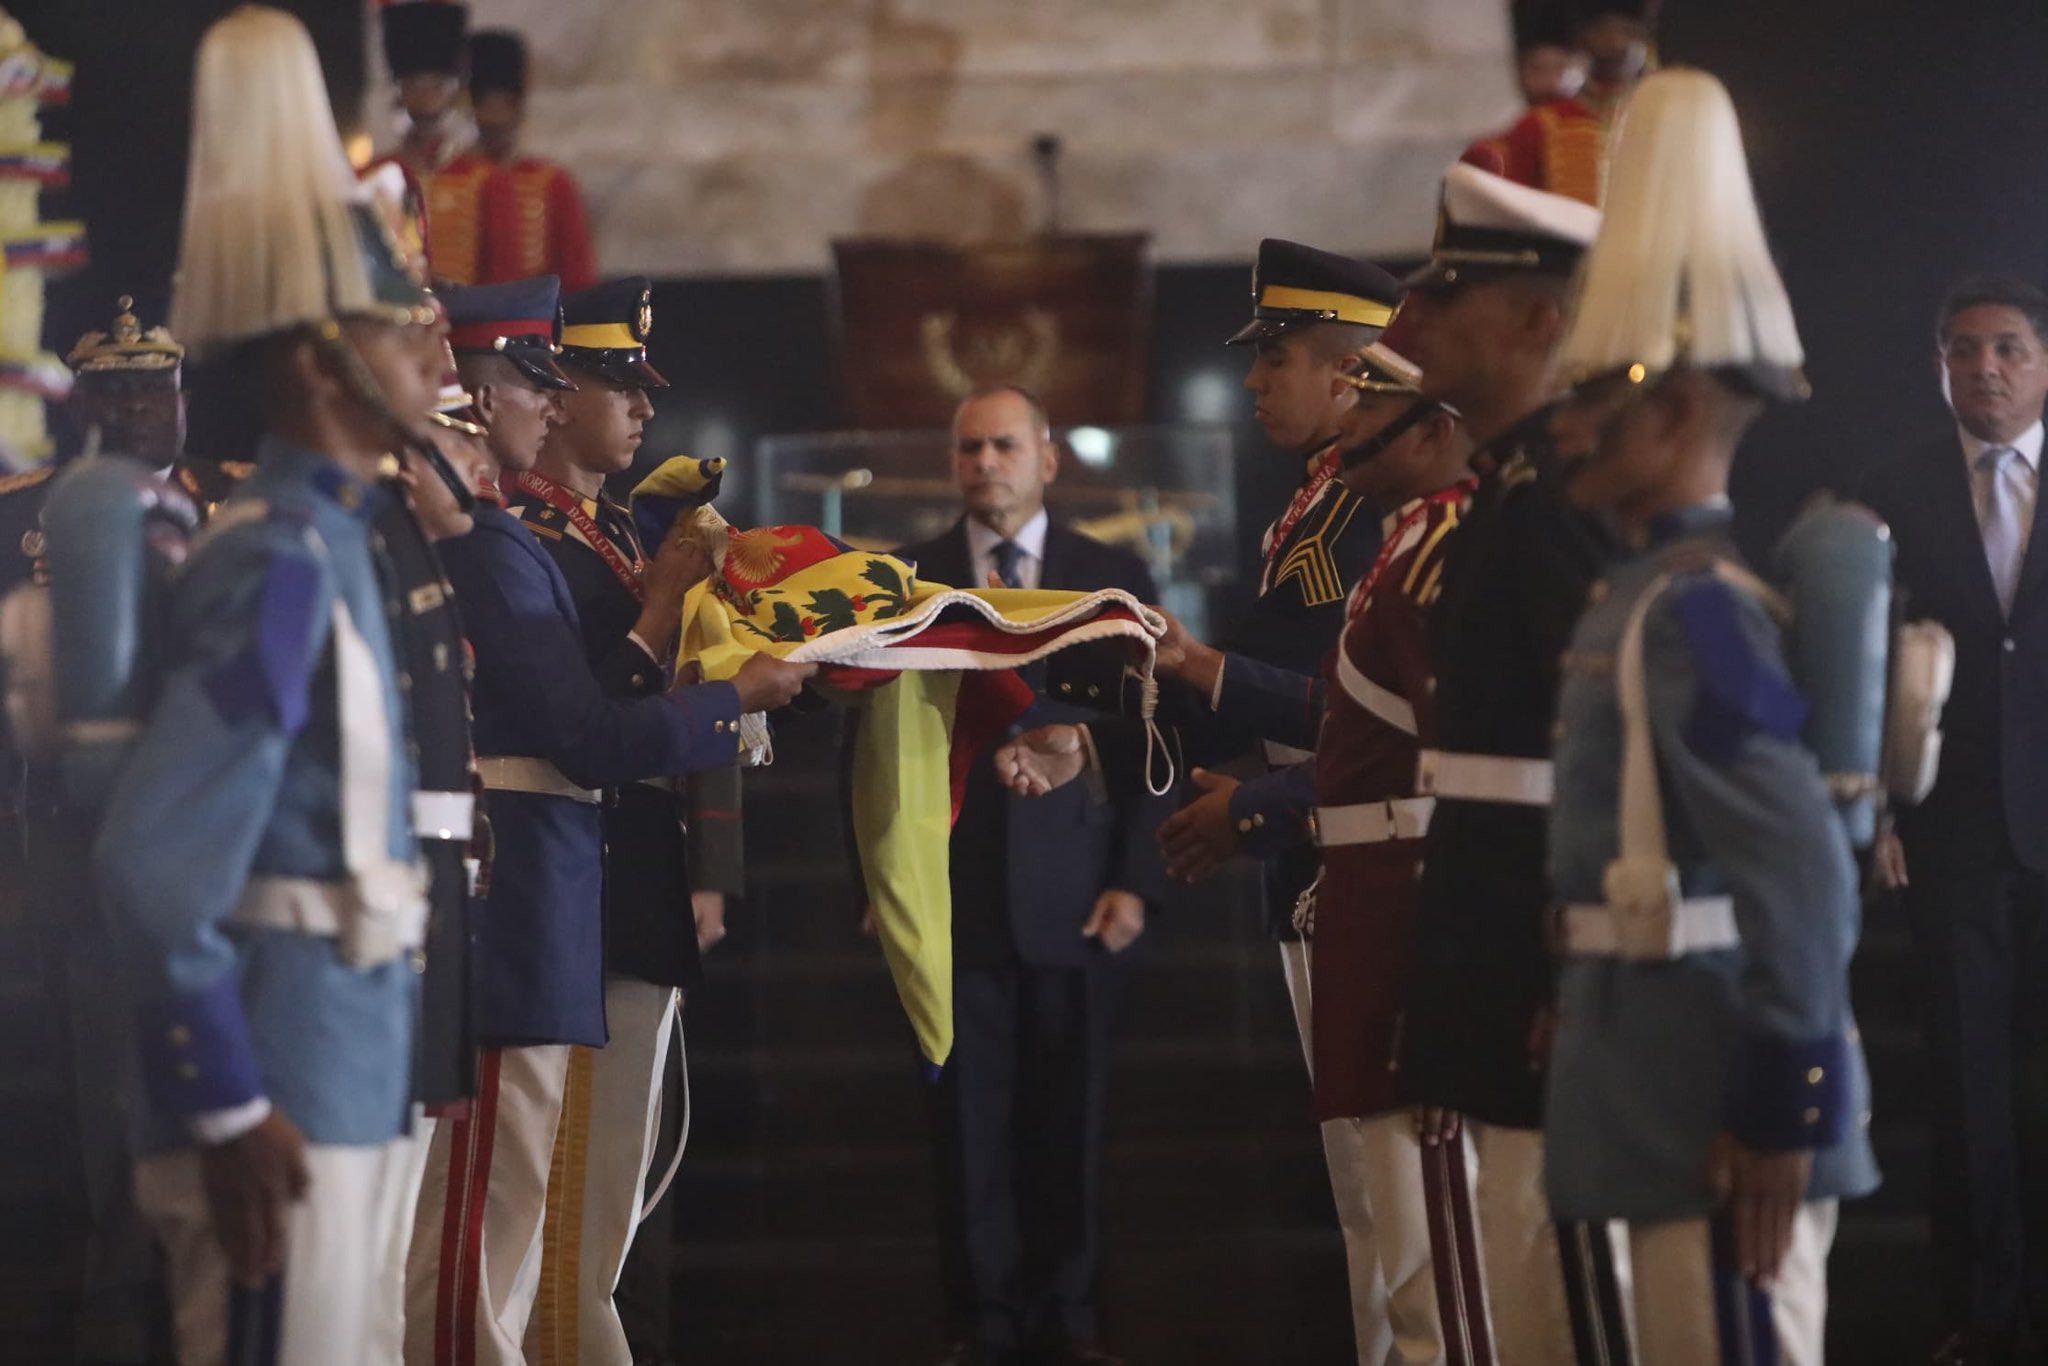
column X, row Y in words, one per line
column 625, row 570
column 1304, row 498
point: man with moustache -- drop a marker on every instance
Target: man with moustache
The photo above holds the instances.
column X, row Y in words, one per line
column 1971, row 858
column 553, row 730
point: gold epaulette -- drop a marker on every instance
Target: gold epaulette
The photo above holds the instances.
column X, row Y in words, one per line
column 27, row 479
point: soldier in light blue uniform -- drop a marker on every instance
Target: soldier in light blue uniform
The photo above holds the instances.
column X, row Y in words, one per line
column 1706, row 1084
column 257, row 849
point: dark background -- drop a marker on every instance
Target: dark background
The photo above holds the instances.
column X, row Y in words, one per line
column 1896, row 146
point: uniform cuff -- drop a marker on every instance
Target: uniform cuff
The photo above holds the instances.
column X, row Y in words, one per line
column 1791, row 1093
column 196, row 1052
column 1265, row 826
column 714, row 723
column 216, row 1127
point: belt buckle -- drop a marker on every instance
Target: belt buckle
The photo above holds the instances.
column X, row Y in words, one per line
column 1643, row 897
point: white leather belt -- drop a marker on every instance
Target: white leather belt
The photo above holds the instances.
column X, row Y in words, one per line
column 1404, row 818
column 1281, row 756
column 1484, row 778
column 370, row 935
column 1698, row 925
column 444, row 815
column 518, row 773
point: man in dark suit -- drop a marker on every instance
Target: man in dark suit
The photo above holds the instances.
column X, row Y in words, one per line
column 1048, row 895
column 1972, row 857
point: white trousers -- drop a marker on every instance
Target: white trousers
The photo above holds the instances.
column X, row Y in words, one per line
column 611, row 1114
column 340, row 1301
column 1344, row 1154
column 1523, row 1278
column 476, row 1249
column 1693, row 1309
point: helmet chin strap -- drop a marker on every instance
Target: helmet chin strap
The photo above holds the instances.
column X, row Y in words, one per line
column 1370, row 448
column 334, row 343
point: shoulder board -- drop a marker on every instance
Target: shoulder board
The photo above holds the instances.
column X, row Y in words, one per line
column 1427, row 565
column 27, row 479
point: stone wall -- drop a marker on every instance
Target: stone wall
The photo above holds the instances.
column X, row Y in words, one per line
column 741, row 136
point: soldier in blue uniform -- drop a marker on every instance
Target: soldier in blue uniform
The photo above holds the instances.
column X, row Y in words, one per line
column 626, row 606
column 1313, row 314
column 1706, row 1084
column 257, row 850
column 551, row 734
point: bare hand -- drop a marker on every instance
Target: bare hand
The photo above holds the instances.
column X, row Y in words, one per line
column 1434, row 1124
column 1888, row 861
column 1200, row 837
column 1040, row 760
column 1764, row 1191
column 249, row 1181
column 1179, row 654
column 1171, row 650
column 1117, row 920
column 765, row 682
column 867, row 923
column 708, row 910
column 678, row 566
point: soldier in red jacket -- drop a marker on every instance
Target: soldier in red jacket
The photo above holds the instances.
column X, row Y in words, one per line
column 552, row 232
column 472, row 212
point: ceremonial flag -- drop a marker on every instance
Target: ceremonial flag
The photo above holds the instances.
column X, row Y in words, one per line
column 929, row 668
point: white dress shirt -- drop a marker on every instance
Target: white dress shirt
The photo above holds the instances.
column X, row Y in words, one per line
column 1030, row 538
column 2023, row 480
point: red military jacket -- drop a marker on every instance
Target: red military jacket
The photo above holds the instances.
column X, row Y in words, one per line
column 1377, row 714
column 472, row 217
column 551, row 231
column 1559, row 146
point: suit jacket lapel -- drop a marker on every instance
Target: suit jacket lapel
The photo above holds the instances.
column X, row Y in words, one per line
column 1053, row 567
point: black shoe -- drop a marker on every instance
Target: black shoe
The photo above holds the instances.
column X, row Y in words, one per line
column 977, row 1354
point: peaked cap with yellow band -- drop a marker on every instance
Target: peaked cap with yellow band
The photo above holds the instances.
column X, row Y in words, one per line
column 1296, row 286
column 604, row 332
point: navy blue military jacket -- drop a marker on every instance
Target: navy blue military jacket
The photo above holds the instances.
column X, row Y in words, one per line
column 540, row 944
column 1991, row 799
column 1323, row 543
column 1026, row 870
column 650, row 933
column 1515, row 579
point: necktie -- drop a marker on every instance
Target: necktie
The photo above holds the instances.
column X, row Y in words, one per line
column 1009, row 558
column 2004, row 537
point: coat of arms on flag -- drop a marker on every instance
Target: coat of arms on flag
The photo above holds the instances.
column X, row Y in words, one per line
column 930, row 669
